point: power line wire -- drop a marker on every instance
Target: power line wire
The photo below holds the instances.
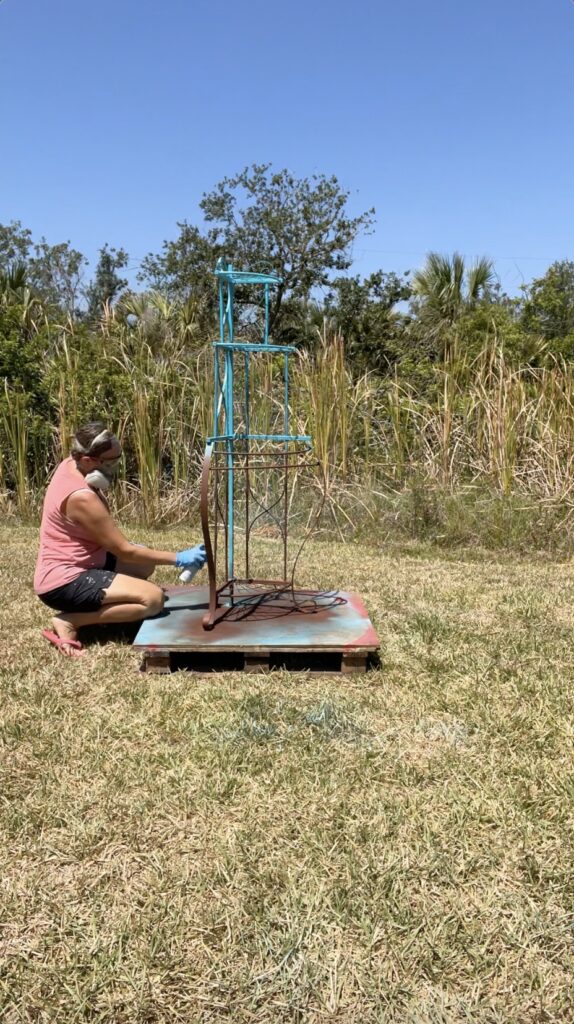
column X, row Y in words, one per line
column 415, row 252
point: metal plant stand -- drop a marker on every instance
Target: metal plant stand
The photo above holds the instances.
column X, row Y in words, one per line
column 240, row 460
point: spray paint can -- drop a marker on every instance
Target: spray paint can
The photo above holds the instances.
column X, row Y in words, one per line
column 187, row 575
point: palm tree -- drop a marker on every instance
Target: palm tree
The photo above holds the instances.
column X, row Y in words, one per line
column 16, row 293
column 13, row 281
column 447, row 289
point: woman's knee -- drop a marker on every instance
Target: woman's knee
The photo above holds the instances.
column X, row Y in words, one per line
column 129, row 590
column 153, row 601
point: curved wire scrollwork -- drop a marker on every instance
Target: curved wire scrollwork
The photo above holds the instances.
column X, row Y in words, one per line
column 238, row 599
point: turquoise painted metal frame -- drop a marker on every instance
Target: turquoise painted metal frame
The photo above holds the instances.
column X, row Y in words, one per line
column 225, row 437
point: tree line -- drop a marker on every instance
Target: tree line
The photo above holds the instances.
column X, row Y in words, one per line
column 442, row 375
column 301, row 230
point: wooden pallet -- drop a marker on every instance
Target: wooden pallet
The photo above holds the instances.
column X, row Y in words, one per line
column 337, row 639
column 314, row 662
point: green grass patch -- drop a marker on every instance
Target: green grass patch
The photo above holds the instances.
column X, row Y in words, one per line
column 394, row 848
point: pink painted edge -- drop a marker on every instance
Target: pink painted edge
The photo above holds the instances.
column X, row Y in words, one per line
column 369, row 638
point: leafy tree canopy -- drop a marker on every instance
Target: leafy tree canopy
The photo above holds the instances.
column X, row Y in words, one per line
column 54, row 273
column 548, row 309
column 264, row 220
column 106, row 285
column 363, row 311
column 21, row 362
column 15, row 244
column 184, row 270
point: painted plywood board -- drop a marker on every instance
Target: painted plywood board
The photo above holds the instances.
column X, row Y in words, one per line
column 179, row 627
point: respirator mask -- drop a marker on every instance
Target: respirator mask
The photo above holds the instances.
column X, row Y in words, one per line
column 103, row 477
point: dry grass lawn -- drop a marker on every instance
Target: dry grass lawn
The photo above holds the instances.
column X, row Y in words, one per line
column 397, row 847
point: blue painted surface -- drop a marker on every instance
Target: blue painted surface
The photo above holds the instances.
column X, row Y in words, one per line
column 254, row 346
column 179, row 626
column 230, row 274
column 240, row 436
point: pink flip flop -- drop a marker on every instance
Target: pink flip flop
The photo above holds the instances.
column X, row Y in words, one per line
column 58, row 642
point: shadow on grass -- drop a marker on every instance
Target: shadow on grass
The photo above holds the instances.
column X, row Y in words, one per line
column 117, row 633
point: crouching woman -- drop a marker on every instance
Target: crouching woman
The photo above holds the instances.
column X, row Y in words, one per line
column 87, row 571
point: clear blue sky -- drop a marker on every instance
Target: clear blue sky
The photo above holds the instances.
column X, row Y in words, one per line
column 453, row 119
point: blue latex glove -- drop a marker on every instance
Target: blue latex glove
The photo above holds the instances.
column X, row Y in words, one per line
column 193, row 558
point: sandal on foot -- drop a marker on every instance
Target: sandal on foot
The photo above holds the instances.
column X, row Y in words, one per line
column 60, row 642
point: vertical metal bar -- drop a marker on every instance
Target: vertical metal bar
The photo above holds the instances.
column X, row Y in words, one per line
column 221, row 311
column 266, row 325
column 230, row 310
column 230, row 443
column 216, row 390
column 216, row 374
column 216, row 509
column 212, row 458
column 285, row 458
column 246, row 396
column 225, row 524
column 285, row 517
column 247, row 445
column 286, row 394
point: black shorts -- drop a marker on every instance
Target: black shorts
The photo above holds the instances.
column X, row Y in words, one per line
column 86, row 592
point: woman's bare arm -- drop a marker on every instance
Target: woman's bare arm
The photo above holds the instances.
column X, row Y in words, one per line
column 85, row 508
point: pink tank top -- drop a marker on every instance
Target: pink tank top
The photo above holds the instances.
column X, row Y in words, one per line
column 65, row 549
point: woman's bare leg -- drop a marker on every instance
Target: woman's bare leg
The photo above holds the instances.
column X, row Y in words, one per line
column 127, row 599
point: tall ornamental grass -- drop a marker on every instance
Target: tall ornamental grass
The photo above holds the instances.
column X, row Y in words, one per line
column 506, row 430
